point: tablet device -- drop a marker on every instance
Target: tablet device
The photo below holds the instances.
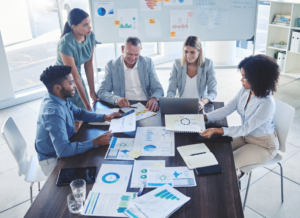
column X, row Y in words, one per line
column 67, row 175
column 178, row 105
column 208, row 170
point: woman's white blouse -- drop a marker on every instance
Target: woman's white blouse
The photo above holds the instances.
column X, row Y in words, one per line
column 256, row 117
column 190, row 89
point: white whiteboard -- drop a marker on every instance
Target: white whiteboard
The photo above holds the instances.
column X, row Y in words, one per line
column 210, row 20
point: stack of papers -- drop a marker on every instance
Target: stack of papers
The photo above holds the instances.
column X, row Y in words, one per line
column 106, row 112
column 120, row 148
column 197, row 155
column 127, row 123
column 159, row 203
column 140, row 111
column 185, row 123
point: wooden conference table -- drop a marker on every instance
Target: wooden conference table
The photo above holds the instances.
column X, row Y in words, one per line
column 215, row 195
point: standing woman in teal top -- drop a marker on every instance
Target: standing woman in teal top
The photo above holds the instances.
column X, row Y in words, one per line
column 76, row 47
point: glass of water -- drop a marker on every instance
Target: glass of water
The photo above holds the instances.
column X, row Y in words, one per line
column 78, row 187
column 74, row 205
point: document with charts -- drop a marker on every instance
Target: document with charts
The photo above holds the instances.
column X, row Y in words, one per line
column 107, row 204
column 185, row 123
column 119, row 148
column 127, row 123
column 174, row 176
column 106, row 112
column 154, row 141
column 140, row 171
column 112, row 178
column 159, row 203
column 140, row 111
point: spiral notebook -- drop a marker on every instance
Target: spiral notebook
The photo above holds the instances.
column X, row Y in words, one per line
column 185, row 123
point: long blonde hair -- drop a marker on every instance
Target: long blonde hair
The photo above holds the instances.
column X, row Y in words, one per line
column 194, row 42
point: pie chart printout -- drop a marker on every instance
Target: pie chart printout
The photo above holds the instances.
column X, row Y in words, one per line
column 110, row 177
column 149, row 148
column 101, row 11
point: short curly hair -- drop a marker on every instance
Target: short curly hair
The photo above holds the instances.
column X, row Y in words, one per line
column 54, row 75
column 262, row 73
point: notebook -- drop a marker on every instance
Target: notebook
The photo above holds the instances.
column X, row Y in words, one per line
column 197, row 156
column 185, row 123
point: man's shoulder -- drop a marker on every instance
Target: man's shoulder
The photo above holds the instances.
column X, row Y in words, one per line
column 145, row 60
column 51, row 107
column 114, row 62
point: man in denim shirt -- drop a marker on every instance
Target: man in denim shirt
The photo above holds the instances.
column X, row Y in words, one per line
column 55, row 125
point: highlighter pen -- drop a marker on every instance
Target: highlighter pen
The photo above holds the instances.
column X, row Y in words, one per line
column 141, row 189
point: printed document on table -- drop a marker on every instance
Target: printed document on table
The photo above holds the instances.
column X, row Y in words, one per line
column 140, row 111
column 106, row 112
column 124, row 124
column 128, row 22
column 154, row 141
column 174, row 176
column 185, row 123
column 107, row 204
column 140, row 170
column 112, row 178
column 159, row 203
column 119, row 148
column 180, row 24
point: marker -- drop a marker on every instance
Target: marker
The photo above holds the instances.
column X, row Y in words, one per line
column 141, row 189
column 198, row 153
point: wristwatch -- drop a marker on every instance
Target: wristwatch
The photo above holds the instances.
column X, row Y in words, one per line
column 157, row 98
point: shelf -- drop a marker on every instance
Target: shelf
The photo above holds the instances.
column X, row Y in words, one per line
column 295, row 73
column 279, row 49
column 279, row 26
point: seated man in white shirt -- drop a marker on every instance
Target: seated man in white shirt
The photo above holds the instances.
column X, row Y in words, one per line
column 131, row 77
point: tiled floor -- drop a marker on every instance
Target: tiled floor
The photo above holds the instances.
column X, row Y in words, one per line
column 264, row 195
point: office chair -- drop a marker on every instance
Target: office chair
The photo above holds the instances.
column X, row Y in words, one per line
column 17, row 145
column 283, row 118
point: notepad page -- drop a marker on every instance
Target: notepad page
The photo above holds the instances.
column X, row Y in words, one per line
column 192, row 149
column 202, row 160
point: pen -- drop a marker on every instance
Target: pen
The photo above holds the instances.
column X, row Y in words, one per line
column 132, row 107
column 141, row 189
column 198, row 153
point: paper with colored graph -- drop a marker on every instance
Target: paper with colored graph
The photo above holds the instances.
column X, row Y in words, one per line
column 112, row 178
column 150, row 5
column 185, row 123
column 106, row 112
column 180, row 24
column 178, row 2
column 124, row 124
column 119, row 148
column 140, row 111
column 140, row 171
column 128, row 22
column 104, row 9
column 159, row 203
column 154, row 141
column 174, row 176
column 107, row 204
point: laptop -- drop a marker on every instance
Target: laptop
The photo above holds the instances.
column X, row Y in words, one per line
column 169, row 105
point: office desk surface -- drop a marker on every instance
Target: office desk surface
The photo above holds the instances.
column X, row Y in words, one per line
column 215, row 195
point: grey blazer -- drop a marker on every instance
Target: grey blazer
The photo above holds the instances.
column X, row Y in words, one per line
column 206, row 81
column 113, row 84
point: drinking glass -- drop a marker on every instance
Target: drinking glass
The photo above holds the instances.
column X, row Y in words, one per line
column 75, row 205
column 78, row 187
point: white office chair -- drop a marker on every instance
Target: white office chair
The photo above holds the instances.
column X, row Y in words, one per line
column 283, row 118
column 15, row 141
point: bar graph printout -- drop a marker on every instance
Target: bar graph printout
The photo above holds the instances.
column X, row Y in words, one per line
column 161, row 202
column 107, row 204
column 154, row 141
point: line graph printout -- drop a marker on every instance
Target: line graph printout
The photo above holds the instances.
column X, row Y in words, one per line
column 161, row 202
column 112, row 178
column 150, row 5
column 119, row 148
column 140, row 171
column 180, row 26
column 128, row 22
column 107, row 204
column 174, row 176
column 178, row 2
column 154, row 141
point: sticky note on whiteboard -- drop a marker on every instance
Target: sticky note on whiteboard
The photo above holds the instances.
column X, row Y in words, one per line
column 151, row 21
column 167, row 0
column 173, row 34
column 159, row 0
column 190, row 14
column 117, row 23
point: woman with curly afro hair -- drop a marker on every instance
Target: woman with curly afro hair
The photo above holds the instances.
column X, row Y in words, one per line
column 255, row 141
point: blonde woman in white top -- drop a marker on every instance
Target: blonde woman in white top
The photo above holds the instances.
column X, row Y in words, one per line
column 193, row 76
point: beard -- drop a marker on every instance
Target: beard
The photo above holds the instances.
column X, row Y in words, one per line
column 66, row 94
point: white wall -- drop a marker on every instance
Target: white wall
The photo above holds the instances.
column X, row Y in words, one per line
column 14, row 21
